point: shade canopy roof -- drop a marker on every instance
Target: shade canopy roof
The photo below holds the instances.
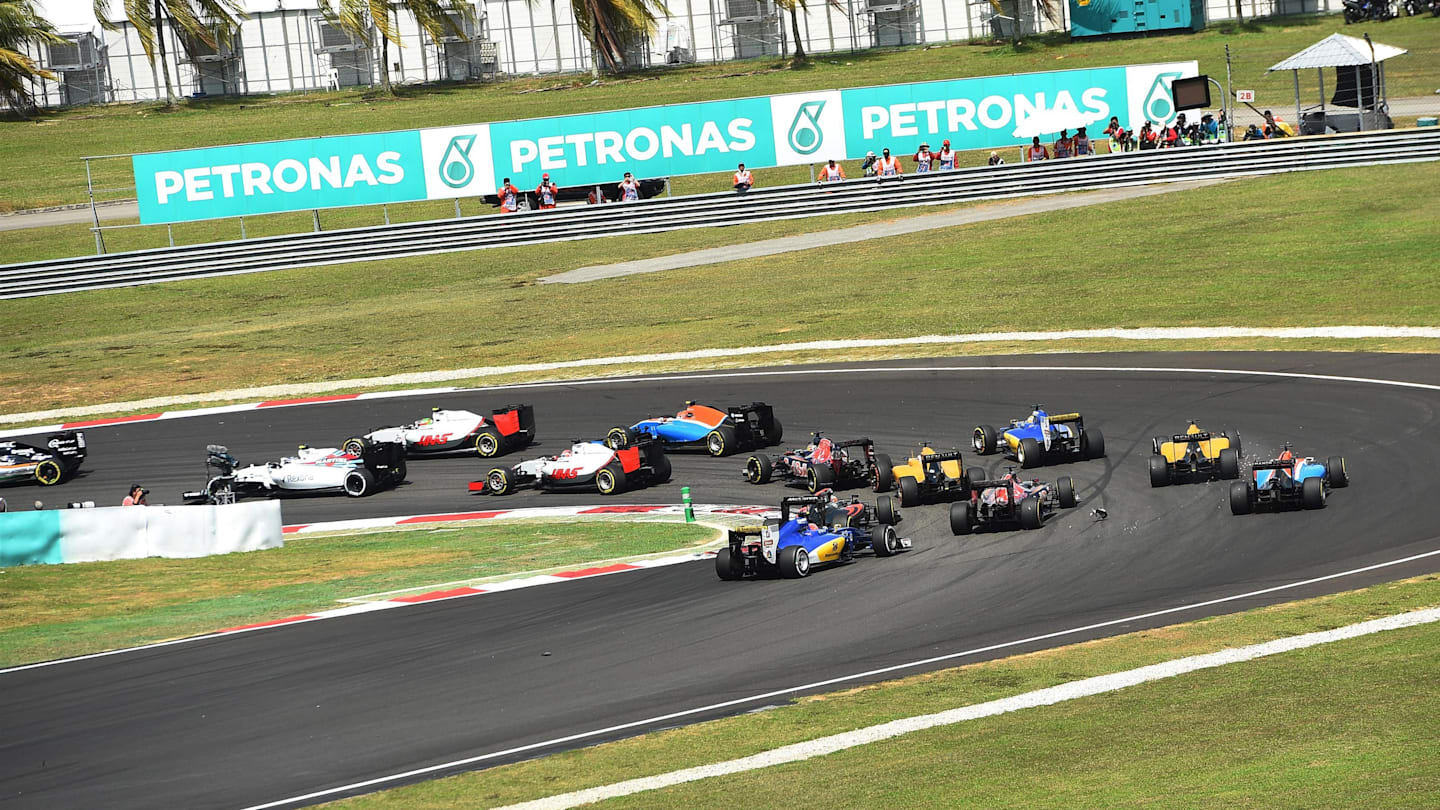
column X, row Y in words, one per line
column 1337, row 50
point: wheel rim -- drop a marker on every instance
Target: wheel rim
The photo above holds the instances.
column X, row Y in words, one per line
column 802, row 562
column 716, row 444
column 752, row 471
column 352, row 447
column 977, row 440
column 497, row 481
column 486, row 444
column 617, row 439
column 354, row 484
column 605, row 480
column 48, row 472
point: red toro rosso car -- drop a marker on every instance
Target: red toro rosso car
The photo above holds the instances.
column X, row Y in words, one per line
column 822, row 464
column 1010, row 501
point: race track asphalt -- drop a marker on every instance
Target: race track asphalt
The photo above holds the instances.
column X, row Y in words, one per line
column 259, row 717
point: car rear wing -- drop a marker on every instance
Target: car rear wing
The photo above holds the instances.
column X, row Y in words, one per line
column 1272, row 465
column 69, row 445
column 382, row 456
column 513, row 419
column 797, row 500
column 1202, row 436
column 1066, row 417
column 758, row 416
column 929, row 458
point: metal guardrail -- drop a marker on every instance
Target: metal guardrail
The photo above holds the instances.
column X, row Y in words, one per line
column 711, row 210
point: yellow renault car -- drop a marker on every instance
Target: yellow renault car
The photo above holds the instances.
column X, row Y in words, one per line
column 1195, row 455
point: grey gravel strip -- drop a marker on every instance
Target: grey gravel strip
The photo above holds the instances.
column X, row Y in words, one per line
column 861, row 233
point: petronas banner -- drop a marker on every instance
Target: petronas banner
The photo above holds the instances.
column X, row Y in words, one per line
column 714, row 136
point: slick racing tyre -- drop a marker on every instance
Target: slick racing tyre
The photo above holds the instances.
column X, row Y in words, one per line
column 1339, row 475
column 883, row 478
column 726, row 566
column 886, row 542
column 1065, row 488
column 794, row 562
column 663, row 470
column 720, row 441
column 885, row 510
column 1240, row 503
column 758, row 469
column 359, row 483
column 354, row 446
column 960, row 518
column 909, row 491
column 610, row 479
column 775, row 434
column 983, row 440
column 499, row 482
column 1312, row 493
column 1030, row 513
column 488, row 443
column 49, row 473
column 1092, row 444
column 818, row 477
column 1229, row 464
column 619, row 438
column 1159, row 472
column 1029, row 453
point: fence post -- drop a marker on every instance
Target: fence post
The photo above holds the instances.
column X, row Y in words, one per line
column 457, row 207
column 170, row 232
column 315, row 215
column 94, row 214
column 242, row 229
column 385, row 209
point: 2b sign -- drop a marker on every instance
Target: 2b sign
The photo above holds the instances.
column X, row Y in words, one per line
column 1245, row 96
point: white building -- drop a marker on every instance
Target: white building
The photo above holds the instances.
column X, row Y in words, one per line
column 286, row 46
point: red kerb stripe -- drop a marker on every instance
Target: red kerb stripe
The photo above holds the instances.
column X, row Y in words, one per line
column 275, row 403
column 271, row 623
column 620, row 510
column 433, row 595
column 590, row 572
column 455, row 516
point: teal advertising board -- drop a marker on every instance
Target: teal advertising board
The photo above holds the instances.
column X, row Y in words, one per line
column 577, row 150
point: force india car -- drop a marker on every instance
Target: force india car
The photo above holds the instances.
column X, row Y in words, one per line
column 444, row 431
column 823, row 464
column 381, row 465
column 56, row 461
column 720, row 431
column 1288, row 482
column 928, row 475
column 1195, row 455
column 1041, row 436
column 584, row 464
column 824, row 530
column 1010, row 501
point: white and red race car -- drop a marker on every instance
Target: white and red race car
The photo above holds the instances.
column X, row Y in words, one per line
column 328, row 469
column 1010, row 500
column 584, row 464
column 445, row 431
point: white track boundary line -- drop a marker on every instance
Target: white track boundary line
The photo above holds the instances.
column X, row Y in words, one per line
column 1050, row 696
column 810, row 687
column 414, row 378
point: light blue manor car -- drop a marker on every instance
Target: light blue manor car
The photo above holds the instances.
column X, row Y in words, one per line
column 719, row 431
column 824, row 530
column 1289, row 481
column 1040, row 437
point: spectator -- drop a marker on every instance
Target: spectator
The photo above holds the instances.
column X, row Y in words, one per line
column 1082, row 143
column 922, row 159
column 744, row 181
column 1253, row 134
column 1120, row 140
column 629, row 189
column 136, row 496
column 595, row 197
column 995, row 160
column 1148, row 137
column 888, row 166
column 1209, row 129
column 546, row 192
column 509, row 197
column 1275, row 127
column 1036, row 151
column 1064, row 147
column 1170, row 137
column 832, row 172
column 868, row 166
column 946, row 157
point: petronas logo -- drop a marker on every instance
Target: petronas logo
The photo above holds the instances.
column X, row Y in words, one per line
column 1160, row 102
column 456, row 170
column 805, row 135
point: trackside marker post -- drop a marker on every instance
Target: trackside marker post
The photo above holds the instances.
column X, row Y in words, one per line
column 689, row 507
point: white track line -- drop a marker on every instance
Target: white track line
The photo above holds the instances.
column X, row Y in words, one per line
column 414, row 378
column 1029, row 700
column 809, row 687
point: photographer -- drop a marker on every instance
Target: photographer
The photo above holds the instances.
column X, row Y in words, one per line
column 136, row 496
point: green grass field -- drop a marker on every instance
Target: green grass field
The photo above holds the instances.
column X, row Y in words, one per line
column 54, row 611
column 1284, row 251
column 1340, row 726
column 40, row 159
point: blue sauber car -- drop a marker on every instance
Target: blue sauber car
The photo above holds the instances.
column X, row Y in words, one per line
column 1040, row 437
column 1289, row 482
column 824, row 530
column 720, row 431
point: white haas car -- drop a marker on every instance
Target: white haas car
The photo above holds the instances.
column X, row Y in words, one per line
column 445, row 431
column 329, row 469
column 584, row 464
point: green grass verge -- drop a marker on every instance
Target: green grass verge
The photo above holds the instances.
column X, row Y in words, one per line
column 1289, row 250
column 39, row 159
column 54, row 611
column 1344, row 725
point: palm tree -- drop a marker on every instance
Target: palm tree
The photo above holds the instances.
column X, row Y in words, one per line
column 609, row 25
column 795, row 7
column 20, row 25
column 209, row 21
column 359, row 17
